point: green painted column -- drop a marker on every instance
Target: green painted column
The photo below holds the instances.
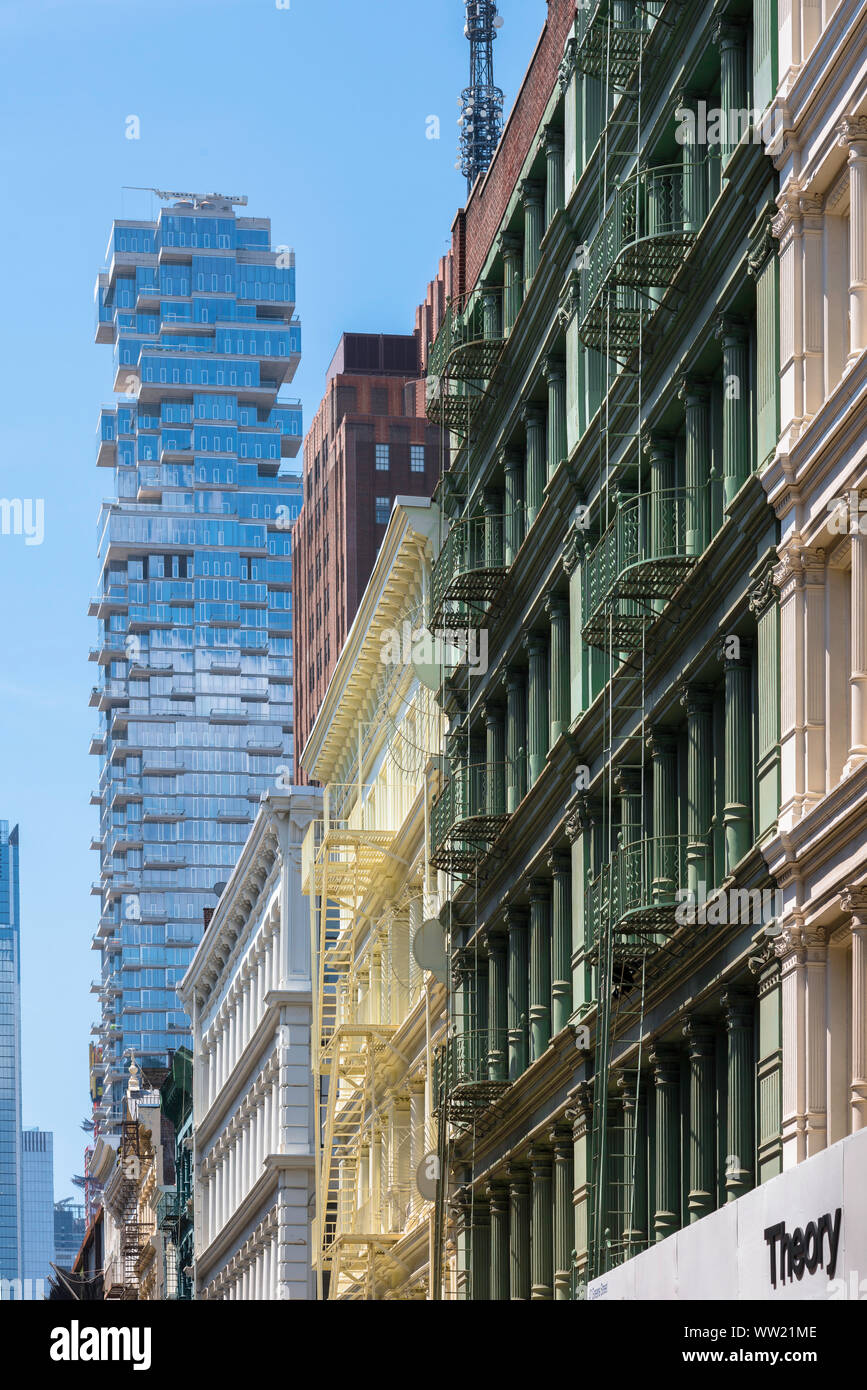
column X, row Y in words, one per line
column 518, row 991
column 542, row 1227
column 561, row 940
column 738, row 813
column 519, row 1233
column 516, row 737
column 695, row 203
column 765, row 608
column 495, row 758
column 540, row 966
column 736, row 405
column 695, row 522
column 539, row 725
column 665, row 1062
column 702, row 1118
column 498, row 1197
column 480, row 1250
column 558, row 611
column 533, row 417
column 663, row 753
column 740, row 1127
column 558, row 448
column 553, row 142
column 660, row 457
column 698, row 704
column 492, row 314
column 513, row 522
column 627, row 782
column 532, row 195
column 492, row 506
column 582, row 819
column 731, row 38
column 564, row 1225
column 634, row 1176
column 573, row 550
column 581, row 1100
column 498, row 1017
column 510, row 246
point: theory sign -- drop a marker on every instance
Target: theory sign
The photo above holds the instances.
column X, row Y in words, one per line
column 804, row 1249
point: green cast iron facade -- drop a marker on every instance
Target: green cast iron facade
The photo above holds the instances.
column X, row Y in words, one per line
column 613, row 1071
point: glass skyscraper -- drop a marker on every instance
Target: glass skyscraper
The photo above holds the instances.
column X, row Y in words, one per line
column 10, row 1060
column 195, row 595
column 37, row 1210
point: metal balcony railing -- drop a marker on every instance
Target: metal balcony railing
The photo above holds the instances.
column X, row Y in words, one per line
column 168, row 1211
column 611, row 37
column 653, row 219
column 469, row 573
column 464, row 1073
column 468, row 816
column 464, row 357
column 636, row 894
column 642, row 558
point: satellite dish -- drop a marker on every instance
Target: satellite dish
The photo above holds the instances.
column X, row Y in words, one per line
column 429, row 948
column 498, row 22
column 427, row 1177
column 219, row 889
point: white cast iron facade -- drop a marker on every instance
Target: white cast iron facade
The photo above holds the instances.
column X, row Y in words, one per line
column 248, row 991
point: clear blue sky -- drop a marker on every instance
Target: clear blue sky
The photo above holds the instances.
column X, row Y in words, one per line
column 317, row 113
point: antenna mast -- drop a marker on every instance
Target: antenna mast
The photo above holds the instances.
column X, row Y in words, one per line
column 481, row 118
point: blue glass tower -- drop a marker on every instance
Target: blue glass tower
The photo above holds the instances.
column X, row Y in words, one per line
column 10, row 1060
column 195, row 595
column 37, row 1211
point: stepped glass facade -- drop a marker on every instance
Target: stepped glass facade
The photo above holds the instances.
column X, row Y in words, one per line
column 609, row 375
column 378, row 1010
column 194, row 652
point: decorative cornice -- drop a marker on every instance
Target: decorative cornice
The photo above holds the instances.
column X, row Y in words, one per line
column 763, row 246
column 567, row 64
column 764, row 594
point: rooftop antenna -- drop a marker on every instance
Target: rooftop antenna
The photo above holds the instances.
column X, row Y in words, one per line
column 481, row 118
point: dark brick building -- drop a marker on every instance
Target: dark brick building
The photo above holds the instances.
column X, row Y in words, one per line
column 369, row 443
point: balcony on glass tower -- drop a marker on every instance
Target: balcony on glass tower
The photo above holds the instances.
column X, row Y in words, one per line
column 464, row 356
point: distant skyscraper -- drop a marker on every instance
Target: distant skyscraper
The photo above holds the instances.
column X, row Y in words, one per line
column 195, row 594
column 69, row 1227
column 10, row 1058
column 369, row 442
column 37, row 1210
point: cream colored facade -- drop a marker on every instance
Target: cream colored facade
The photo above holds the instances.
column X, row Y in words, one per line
column 817, row 484
column 377, row 1014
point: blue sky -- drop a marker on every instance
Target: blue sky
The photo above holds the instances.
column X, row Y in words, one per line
column 318, row 113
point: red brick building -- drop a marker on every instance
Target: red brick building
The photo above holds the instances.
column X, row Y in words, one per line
column 369, row 443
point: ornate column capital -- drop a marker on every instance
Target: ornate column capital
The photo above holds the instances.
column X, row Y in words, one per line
column 732, row 659
column 554, row 367
column 510, row 456
column 553, row 139
column 693, row 389
column 853, row 899
column 570, row 302
column 567, row 64
column 573, row 550
column 556, row 606
column 509, row 244
column 700, row 1036
column 695, row 699
column 787, row 219
column 533, row 415
column 531, row 192
column 730, row 329
column 728, row 32
column 652, row 442
column 580, row 1110
column 738, row 1009
column 582, row 813
column 534, row 643
column 762, row 245
column 559, row 862
column 764, row 593
column 852, row 131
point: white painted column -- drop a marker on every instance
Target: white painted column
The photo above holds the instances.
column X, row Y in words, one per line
column 794, row 995
column 858, row 653
column 788, row 577
column 817, row 1042
column 815, row 777
column 852, row 133
column 835, row 276
column 812, row 229
column 854, row 900
column 786, row 228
